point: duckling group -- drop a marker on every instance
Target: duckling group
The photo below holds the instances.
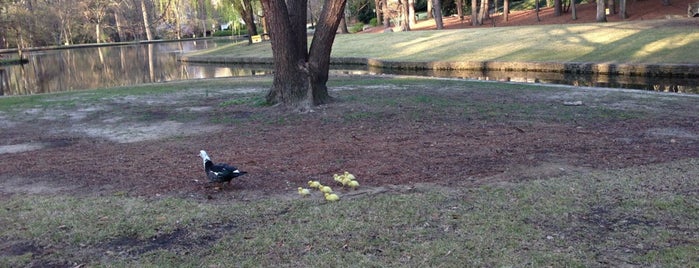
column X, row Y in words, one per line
column 346, row 180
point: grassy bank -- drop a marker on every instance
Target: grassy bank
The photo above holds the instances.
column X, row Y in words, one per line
column 642, row 216
column 666, row 42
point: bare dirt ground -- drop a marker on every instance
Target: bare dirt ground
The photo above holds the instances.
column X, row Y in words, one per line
column 148, row 146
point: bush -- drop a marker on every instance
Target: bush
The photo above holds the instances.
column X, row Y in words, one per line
column 357, row 27
column 228, row 32
column 373, row 22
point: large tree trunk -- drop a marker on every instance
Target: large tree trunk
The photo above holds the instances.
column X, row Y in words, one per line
column 321, row 47
column 601, row 15
column 574, row 11
column 300, row 77
column 290, row 85
column 438, row 14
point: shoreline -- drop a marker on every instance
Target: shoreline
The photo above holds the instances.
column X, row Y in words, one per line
column 607, row 68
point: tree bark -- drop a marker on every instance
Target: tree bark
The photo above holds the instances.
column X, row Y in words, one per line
column 622, row 10
column 506, row 10
column 438, row 14
column 411, row 13
column 405, row 21
column 248, row 16
column 146, row 20
column 474, row 12
column 321, row 47
column 379, row 13
column 601, row 15
column 460, row 9
column 573, row 10
column 557, row 7
column 386, row 19
column 430, row 9
column 300, row 75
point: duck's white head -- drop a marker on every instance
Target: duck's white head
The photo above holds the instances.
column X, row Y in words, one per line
column 204, row 156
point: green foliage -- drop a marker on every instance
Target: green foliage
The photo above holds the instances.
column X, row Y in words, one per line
column 357, row 27
column 374, row 22
column 228, row 32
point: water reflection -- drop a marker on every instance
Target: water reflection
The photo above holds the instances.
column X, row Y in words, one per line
column 96, row 67
column 123, row 65
column 660, row 84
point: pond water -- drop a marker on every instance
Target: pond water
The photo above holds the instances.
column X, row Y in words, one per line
column 122, row 65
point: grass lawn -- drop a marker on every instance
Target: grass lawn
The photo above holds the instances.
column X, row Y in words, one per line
column 620, row 42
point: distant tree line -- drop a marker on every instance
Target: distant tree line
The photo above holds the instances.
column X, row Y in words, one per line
column 30, row 23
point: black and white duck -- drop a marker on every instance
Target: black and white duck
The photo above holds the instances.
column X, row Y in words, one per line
column 219, row 173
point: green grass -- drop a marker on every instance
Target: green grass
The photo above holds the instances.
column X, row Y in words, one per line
column 623, row 42
column 576, row 220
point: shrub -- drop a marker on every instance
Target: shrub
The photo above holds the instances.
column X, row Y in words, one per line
column 357, row 27
column 373, row 22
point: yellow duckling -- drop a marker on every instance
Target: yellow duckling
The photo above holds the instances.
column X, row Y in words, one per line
column 331, row 197
column 304, row 192
column 314, row 184
column 353, row 184
column 325, row 189
column 349, row 176
column 339, row 179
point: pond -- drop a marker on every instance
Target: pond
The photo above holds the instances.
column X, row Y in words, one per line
column 92, row 67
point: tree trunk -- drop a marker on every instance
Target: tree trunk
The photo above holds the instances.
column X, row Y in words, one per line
column 411, row 13
column 290, row 85
column 474, row 12
column 557, row 7
column 438, row 14
column 601, row 15
column 379, row 13
column 386, row 19
column 622, row 10
column 249, row 18
column 506, row 10
column 483, row 10
column 460, row 9
column 321, row 47
column 146, row 20
column 300, row 77
column 405, row 21
column 430, row 10
column 343, row 26
column 573, row 9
